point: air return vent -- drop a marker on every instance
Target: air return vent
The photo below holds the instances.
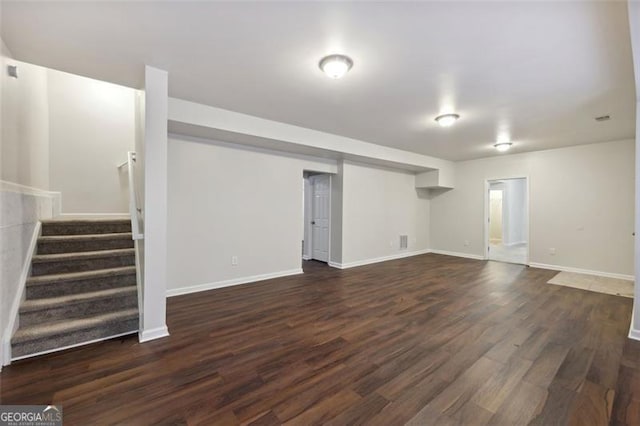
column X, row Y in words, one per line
column 404, row 242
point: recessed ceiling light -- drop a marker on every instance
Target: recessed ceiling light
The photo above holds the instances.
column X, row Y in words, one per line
column 335, row 66
column 503, row 146
column 446, row 120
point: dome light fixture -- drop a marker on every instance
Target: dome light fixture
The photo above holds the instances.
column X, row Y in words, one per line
column 503, row 146
column 335, row 66
column 446, row 120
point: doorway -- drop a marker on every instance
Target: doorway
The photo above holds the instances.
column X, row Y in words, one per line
column 507, row 231
column 317, row 217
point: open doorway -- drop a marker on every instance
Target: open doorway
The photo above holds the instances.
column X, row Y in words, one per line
column 317, row 217
column 507, row 231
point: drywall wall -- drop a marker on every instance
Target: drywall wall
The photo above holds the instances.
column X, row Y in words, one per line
column 581, row 204
column 91, row 128
column 496, row 208
column 514, row 213
column 25, row 125
column 20, row 209
column 227, row 200
column 335, row 255
column 379, row 205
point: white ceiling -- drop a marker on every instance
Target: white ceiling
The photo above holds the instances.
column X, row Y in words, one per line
column 536, row 72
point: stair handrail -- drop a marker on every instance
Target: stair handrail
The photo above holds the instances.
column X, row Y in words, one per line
column 134, row 210
column 136, row 232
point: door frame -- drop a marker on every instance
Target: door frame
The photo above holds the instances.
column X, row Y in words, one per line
column 308, row 227
column 527, row 206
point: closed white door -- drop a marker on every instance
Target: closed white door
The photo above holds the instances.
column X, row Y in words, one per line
column 320, row 217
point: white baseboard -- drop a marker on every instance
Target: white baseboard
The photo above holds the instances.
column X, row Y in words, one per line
column 305, row 257
column 153, row 334
column 517, row 243
column 94, row 215
column 458, row 254
column 75, row 345
column 228, row 283
column 582, row 271
column 378, row 259
column 12, row 326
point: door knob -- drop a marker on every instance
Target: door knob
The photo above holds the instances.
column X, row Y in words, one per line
column 313, row 222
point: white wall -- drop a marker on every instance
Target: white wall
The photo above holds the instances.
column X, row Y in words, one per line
column 20, row 210
column 514, row 214
column 335, row 254
column 307, row 212
column 379, row 205
column 91, row 127
column 225, row 200
column 581, row 204
column 25, row 125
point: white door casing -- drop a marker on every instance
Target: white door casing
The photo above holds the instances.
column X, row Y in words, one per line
column 320, row 213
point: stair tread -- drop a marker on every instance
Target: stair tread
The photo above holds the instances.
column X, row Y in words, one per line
column 85, row 237
column 38, row 258
column 74, row 276
column 50, row 302
column 40, row 331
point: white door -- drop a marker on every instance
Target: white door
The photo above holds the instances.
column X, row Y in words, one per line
column 320, row 217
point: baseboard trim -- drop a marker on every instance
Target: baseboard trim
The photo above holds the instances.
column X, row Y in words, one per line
column 76, row 345
column 582, row 271
column 305, row 257
column 12, row 326
column 378, row 259
column 94, row 215
column 153, row 334
column 228, row 283
column 517, row 243
column 458, row 254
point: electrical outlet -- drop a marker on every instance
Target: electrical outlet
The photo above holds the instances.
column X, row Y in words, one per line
column 552, row 251
column 234, row 260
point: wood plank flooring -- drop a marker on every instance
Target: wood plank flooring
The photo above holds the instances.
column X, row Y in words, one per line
column 424, row 340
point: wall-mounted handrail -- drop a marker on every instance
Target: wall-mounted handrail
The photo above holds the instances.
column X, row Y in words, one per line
column 135, row 210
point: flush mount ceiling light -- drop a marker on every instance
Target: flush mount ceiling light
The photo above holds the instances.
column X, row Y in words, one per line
column 446, row 120
column 503, row 146
column 335, row 66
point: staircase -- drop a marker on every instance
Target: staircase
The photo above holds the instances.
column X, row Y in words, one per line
column 82, row 287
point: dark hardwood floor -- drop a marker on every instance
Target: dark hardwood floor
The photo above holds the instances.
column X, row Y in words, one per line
column 423, row 340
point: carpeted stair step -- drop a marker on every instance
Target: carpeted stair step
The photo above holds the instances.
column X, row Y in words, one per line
column 85, row 226
column 81, row 305
column 47, row 264
column 78, row 243
column 45, row 286
column 34, row 339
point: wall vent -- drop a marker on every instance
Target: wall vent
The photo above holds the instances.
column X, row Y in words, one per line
column 404, row 242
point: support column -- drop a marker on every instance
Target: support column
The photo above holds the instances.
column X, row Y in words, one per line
column 154, row 324
column 634, row 27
